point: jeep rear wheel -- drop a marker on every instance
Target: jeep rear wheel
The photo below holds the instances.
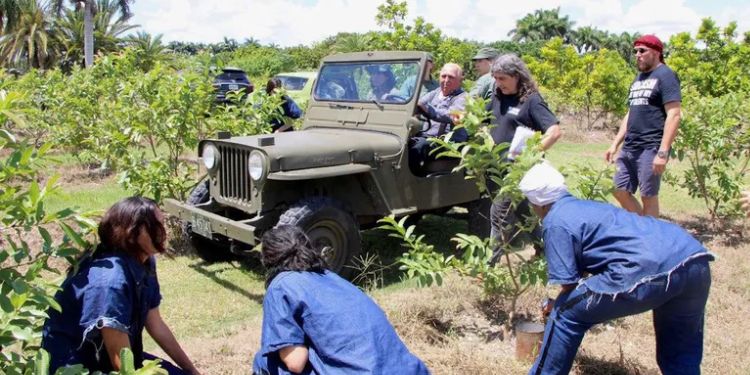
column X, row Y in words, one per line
column 331, row 229
column 206, row 249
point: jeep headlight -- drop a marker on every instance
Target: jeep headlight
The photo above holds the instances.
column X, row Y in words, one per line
column 256, row 165
column 210, row 156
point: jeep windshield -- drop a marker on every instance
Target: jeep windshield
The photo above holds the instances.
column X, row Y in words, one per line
column 391, row 82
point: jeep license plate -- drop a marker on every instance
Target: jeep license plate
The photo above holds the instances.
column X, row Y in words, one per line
column 201, row 226
column 234, row 87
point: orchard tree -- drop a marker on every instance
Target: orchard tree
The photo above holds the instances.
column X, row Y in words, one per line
column 421, row 36
column 714, row 136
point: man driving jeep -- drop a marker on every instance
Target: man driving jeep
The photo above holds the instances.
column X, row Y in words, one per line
column 438, row 107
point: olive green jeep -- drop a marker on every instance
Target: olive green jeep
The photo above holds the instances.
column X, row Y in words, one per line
column 342, row 172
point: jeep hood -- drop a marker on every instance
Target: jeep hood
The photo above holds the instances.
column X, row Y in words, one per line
column 323, row 147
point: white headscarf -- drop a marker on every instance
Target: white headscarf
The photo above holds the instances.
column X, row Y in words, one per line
column 543, row 184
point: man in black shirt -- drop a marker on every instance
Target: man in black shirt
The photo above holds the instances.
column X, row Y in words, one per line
column 648, row 129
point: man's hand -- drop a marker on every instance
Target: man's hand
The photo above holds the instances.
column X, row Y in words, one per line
column 547, row 306
column 457, row 117
column 610, row 154
column 745, row 200
column 660, row 164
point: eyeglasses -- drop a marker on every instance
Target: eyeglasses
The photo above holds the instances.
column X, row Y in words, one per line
column 640, row 50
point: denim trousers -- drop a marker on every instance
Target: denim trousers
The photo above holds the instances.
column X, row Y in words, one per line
column 678, row 301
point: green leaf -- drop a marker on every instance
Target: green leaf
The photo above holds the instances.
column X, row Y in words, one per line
column 6, row 304
column 20, row 286
column 23, row 334
column 73, row 235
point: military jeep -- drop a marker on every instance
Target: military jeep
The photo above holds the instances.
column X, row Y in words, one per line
column 342, row 172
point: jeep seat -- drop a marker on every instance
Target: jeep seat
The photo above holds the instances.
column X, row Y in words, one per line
column 443, row 165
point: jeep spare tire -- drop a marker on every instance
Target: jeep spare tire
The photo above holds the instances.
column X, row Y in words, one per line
column 331, row 229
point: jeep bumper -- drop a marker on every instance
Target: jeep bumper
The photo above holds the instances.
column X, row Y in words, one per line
column 210, row 223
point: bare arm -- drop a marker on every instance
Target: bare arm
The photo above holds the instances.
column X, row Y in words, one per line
column 612, row 150
column 551, row 136
column 163, row 336
column 745, row 201
column 114, row 341
column 294, row 357
column 671, row 124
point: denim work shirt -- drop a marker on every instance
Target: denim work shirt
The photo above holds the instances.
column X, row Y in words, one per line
column 345, row 331
column 110, row 289
column 439, row 108
column 619, row 249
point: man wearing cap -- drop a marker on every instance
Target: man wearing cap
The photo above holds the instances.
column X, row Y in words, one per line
column 485, row 84
column 611, row 263
column 439, row 107
column 648, row 129
column 428, row 83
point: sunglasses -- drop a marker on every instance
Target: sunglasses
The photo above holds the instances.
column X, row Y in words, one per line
column 640, row 50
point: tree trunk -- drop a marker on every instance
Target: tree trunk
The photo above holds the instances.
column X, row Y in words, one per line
column 88, row 32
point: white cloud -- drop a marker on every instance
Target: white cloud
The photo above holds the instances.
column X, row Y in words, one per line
column 292, row 22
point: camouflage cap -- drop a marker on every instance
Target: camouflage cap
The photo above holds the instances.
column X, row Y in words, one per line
column 430, row 58
column 486, row 53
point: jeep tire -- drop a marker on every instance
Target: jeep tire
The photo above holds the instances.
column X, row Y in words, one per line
column 206, row 249
column 331, row 229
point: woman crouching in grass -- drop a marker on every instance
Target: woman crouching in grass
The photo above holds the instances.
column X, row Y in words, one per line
column 316, row 322
column 113, row 295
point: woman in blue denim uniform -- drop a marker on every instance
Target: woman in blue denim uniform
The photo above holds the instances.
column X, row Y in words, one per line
column 611, row 263
column 112, row 295
column 315, row 322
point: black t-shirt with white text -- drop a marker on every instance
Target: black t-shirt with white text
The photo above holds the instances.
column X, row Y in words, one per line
column 510, row 113
column 648, row 95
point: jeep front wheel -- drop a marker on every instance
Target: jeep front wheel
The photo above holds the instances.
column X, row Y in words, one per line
column 331, row 229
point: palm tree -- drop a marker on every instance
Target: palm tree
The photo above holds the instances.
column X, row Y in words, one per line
column 108, row 23
column 9, row 11
column 587, row 39
column 543, row 24
column 623, row 44
column 28, row 43
column 89, row 9
column 148, row 49
column 352, row 42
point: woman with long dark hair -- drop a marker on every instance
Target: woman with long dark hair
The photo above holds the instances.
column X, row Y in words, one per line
column 517, row 107
column 113, row 294
column 316, row 322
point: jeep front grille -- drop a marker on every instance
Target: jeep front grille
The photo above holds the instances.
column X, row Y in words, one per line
column 234, row 179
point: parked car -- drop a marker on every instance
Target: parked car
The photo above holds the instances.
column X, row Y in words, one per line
column 344, row 170
column 298, row 86
column 231, row 79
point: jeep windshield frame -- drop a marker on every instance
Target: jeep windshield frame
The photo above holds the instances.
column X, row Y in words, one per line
column 380, row 82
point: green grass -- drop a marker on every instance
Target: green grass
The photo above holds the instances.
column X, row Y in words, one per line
column 207, row 300
column 673, row 199
column 87, row 196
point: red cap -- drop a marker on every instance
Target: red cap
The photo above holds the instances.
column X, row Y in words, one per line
column 651, row 41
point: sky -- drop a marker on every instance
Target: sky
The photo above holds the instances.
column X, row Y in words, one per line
column 294, row 22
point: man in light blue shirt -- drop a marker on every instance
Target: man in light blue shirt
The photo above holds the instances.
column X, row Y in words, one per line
column 439, row 107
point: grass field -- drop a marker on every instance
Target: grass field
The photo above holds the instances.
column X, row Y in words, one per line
column 214, row 309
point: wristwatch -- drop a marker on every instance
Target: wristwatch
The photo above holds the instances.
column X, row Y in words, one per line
column 662, row 154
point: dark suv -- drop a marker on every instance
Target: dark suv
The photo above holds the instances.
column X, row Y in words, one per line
column 231, row 79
